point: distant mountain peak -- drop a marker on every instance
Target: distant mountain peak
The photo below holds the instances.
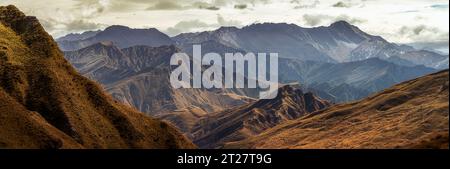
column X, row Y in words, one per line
column 343, row 26
column 117, row 27
column 341, row 23
column 269, row 26
column 78, row 36
column 122, row 36
column 227, row 29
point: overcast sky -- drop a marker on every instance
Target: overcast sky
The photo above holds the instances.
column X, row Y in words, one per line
column 400, row 21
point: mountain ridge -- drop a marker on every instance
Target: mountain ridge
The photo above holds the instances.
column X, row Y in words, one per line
column 122, row 36
column 45, row 103
column 413, row 114
column 250, row 119
column 127, row 74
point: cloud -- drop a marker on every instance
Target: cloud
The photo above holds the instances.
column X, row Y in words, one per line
column 205, row 5
column 197, row 25
column 320, row 19
column 299, row 4
column 81, row 25
column 314, row 20
column 342, row 4
column 423, row 33
column 349, row 19
column 240, row 6
column 439, row 6
column 165, row 5
column 182, row 5
column 223, row 22
column 186, row 26
column 213, row 8
column 89, row 8
column 62, row 27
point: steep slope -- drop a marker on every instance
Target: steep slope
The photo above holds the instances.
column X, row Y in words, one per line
column 413, row 114
column 45, row 103
column 248, row 120
column 122, row 36
column 139, row 76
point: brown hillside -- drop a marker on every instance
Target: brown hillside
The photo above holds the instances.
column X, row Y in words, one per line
column 251, row 119
column 413, row 114
column 45, row 103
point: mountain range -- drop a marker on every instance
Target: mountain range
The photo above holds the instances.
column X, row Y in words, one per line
column 45, row 103
column 349, row 81
column 340, row 88
column 122, row 36
column 326, row 61
column 306, row 54
column 339, row 42
column 139, row 76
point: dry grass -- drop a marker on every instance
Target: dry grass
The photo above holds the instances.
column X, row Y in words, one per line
column 413, row 114
column 47, row 104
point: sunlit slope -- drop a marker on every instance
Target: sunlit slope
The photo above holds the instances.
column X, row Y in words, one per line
column 45, row 103
column 413, row 114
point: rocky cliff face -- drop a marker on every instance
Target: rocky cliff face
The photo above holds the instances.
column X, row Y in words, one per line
column 45, row 103
column 245, row 121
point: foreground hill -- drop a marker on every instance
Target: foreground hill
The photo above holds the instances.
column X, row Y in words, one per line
column 248, row 120
column 413, row 114
column 45, row 103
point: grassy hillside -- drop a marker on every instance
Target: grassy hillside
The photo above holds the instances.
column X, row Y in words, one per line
column 45, row 103
column 413, row 114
